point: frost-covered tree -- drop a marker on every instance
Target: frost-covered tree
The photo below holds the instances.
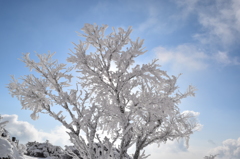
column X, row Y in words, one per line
column 2, row 125
column 9, row 149
column 43, row 150
column 135, row 105
column 5, row 146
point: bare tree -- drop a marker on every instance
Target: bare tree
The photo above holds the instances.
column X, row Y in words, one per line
column 137, row 105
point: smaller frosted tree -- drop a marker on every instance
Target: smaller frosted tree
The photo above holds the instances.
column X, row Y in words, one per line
column 136, row 105
column 8, row 149
column 2, row 124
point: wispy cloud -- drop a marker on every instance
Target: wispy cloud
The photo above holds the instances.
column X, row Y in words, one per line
column 220, row 20
column 159, row 20
column 25, row 132
column 219, row 30
column 189, row 57
column 188, row 6
column 152, row 20
column 183, row 57
column 225, row 59
column 222, row 57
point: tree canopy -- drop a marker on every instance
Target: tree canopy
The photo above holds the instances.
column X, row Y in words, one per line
column 136, row 105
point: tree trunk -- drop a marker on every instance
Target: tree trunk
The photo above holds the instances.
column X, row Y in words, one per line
column 125, row 143
column 136, row 154
column 122, row 150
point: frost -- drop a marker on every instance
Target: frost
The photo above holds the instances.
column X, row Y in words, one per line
column 8, row 148
column 43, row 150
column 134, row 104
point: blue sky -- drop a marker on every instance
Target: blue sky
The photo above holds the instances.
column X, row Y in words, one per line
column 198, row 38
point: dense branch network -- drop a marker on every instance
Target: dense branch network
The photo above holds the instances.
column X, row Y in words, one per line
column 137, row 105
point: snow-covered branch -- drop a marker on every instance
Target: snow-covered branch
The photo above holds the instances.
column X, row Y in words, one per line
column 135, row 104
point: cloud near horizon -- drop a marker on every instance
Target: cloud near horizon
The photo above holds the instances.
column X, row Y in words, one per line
column 175, row 148
column 25, row 132
column 230, row 149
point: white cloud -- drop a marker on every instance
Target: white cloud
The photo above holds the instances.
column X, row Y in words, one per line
column 183, row 57
column 220, row 28
column 230, row 149
column 188, row 57
column 25, row 132
column 174, row 149
column 169, row 147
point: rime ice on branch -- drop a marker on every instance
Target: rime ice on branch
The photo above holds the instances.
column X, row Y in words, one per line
column 137, row 105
